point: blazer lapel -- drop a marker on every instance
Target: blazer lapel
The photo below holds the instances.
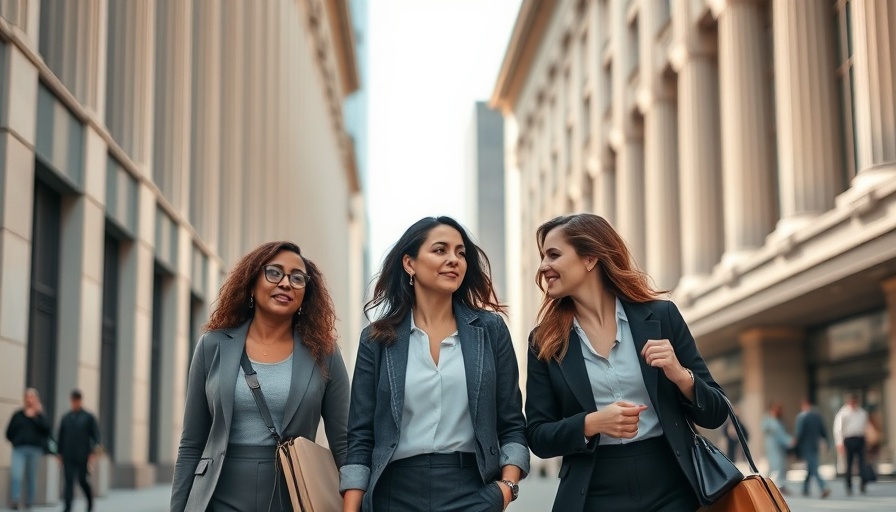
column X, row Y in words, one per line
column 472, row 346
column 644, row 327
column 230, row 350
column 303, row 368
column 396, row 355
column 573, row 368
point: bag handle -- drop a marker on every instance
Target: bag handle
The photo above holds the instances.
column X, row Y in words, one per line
column 255, row 386
column 740, row 435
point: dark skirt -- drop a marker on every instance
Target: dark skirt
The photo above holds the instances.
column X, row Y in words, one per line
column 643, row 476
column 249, row 481
column 448, row 482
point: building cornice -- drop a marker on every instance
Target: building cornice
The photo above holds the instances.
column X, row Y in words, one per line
column 531, row 24
column 343, row 44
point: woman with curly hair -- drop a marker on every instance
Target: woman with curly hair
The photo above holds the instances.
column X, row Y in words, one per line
column 614, row 377
column 436, row 417
column 275, row 310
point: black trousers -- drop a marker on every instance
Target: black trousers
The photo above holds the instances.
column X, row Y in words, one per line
column 436, row 482
column 643, row 476
column 76, row 469
column 855, row 449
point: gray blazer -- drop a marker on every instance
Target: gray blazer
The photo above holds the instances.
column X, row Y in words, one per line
column 492, row 391
column 209, row 408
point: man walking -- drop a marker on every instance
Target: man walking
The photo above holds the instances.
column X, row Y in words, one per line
column 28, row 431
column 849, row 433
column 79, row 434
column 810, row 431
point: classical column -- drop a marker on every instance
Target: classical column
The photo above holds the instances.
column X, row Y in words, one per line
column 605, row 193
column 233, row 118
column 73, row 44
column 889, row 287
column 809, row 164
column 774, row 369
column 204, row 190
column 874, row 37
column 173, row 99
column 129, row 99
column 749, row 202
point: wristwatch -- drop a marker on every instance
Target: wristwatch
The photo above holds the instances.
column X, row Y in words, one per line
column 514, row 489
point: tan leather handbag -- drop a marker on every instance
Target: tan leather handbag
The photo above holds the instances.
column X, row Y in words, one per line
column 311, row 476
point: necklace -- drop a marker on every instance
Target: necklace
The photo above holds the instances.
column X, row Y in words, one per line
column 263, row 344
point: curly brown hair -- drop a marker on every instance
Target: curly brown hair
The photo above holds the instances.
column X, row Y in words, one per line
column 315, row 321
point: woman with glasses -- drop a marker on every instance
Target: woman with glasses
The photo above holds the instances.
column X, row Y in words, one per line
column 436, row 417
column 274, row 307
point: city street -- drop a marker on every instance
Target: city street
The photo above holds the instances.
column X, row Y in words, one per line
column 536, row 495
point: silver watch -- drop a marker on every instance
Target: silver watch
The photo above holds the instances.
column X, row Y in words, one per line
column 514, row 489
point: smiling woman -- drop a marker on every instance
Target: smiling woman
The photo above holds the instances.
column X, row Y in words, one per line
column 274, row 310
column 439, row 363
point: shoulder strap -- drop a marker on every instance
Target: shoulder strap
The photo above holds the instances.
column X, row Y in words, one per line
column 255, row 386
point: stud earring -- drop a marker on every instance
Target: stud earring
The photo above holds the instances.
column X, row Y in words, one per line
column 411, row 280
column 251, row 302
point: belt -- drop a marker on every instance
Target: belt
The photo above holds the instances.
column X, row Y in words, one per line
column 451, row 460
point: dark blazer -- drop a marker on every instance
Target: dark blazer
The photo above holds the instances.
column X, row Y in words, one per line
column 209, row 409
column 810, row 431
column 492, row 390
column 559, row 396
column 79, row 434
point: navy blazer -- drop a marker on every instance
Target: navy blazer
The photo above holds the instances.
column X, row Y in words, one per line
column 559, row 396
column 209, row 409
column 492, row 391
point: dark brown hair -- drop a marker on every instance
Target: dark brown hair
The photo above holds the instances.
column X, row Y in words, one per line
column 315, row 321
column 397, row 297
column 589, row 235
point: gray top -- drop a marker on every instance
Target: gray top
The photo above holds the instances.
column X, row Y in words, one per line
column 435, row 417
column 618, row 377
column 248, row 426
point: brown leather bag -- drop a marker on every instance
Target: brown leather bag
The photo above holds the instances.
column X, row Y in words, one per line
column 755, row 493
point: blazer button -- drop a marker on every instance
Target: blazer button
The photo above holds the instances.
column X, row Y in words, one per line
column 677, row 453
column 493, row 450
column 583, row 491
column 392, row 445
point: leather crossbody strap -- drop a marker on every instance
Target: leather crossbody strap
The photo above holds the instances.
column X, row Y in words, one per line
column 255, row 386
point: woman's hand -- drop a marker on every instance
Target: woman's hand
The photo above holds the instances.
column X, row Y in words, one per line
column 351, row 500
column 619, row 419
column 661, row 354
column 508, row 495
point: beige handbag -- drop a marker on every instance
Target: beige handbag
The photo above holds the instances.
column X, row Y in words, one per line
column 311, row 476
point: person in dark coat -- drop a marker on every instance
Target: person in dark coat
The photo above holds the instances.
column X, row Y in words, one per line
column 28, row 431
column 79, row 435
column 614, row 377
column 810, row 432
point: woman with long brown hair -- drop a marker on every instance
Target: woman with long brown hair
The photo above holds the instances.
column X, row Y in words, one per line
column 614, row 377
column 436, row 416
column 274, row 310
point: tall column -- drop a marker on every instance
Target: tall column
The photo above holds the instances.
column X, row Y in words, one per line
column 134, row 357
column 874, row 37
column 889, row 287
column 774, row 370
column 173, row 100
column 626, row 138
column 129, row 99
column 73, row 38
column 809, row 151
column 204, row 190
column 233, row 117
column 749, row 202
column 605, row 200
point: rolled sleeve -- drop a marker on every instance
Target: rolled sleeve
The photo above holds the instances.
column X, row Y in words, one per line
column 515, row 454
column 353, row 476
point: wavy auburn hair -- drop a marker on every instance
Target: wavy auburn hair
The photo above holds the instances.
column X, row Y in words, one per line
column 589, row 235
column 393, row 292
column 315, row 321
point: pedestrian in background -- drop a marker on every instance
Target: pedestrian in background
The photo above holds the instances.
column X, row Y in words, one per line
column 28, row 431
column 436, row 419
column 79, row 436
column 275, row 309
column 850, row 423
column 809, row 433
column 614, row 377
column 777, row 443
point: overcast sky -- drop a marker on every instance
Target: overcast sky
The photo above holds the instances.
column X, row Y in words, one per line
column 429, row 62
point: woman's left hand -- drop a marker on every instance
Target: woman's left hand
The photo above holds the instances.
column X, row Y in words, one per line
column 508, row 495
column 661, row 354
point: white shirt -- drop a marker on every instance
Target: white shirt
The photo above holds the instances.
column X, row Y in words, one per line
column 849, row 422
column 435, row 417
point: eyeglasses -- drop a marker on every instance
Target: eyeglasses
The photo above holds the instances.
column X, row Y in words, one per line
column 274, row 274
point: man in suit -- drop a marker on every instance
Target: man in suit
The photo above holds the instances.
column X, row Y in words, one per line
column 810, row 432
column 79, row 435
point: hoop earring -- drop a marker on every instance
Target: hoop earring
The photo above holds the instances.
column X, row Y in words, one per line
column 251, row 302
column 411, row 280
